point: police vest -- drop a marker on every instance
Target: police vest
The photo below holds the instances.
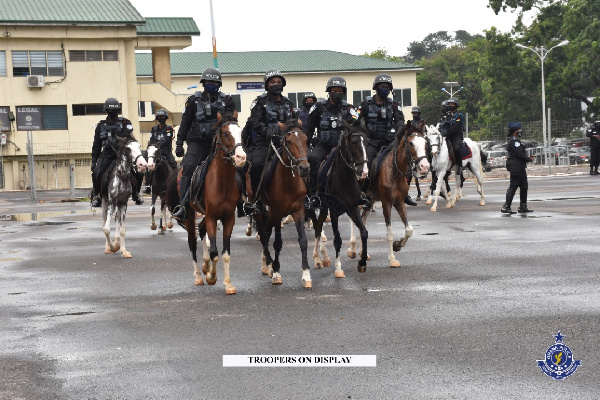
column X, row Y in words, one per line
column 206, row 113
column 379, row 118
column 161, row 136
column 277, row 112
column 330, row 127
column 109, row 131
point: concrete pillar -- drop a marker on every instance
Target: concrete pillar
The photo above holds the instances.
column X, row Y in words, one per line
column 131, row 109
column 161, row 66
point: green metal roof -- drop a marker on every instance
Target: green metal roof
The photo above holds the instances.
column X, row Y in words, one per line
column 168, row 27
column 69, row 12
column 252, row 62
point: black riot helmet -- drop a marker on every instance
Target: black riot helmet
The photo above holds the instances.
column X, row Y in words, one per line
column 444, row 105
column 334, row 81
column 211, row 74
column 383, row 78
column 416, row 109
column 597, row 124
column 162, row 113
column 112, row 104
column 455, row 101
column 309, row 95
column 271, row 74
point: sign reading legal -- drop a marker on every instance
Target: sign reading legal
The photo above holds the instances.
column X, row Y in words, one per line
column 29, row 118
column 4, row 119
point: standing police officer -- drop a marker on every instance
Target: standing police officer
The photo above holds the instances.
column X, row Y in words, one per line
column 103, row 153
column 327, row 116
column 454, row 131
column 265, row 112
column 594, row 135
column 307, row 102
column 199, row 116
column 383, row 118
column 516, row 163
column 161, row 136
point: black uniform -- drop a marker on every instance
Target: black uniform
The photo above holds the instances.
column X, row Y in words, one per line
column 103, row 153
column 516, row 164
column 383, row 121
column 594, row 148
column 162, row 137
column 265, row 113
column 454, row 135
column 326, row 118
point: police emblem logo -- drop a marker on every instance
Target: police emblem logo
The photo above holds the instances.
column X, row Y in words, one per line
column 558, row 362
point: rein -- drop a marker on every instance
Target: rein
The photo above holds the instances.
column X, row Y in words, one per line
column 352, row 165
column 229, row 151
column 294, row 162
column 410, row 161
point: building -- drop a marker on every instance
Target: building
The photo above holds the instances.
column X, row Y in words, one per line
column 56, row 70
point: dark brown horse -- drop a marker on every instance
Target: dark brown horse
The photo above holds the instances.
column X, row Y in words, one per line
column 391, row 185
column 160, row 168
column 216, row 199
column 284, row 195
column 346, row 165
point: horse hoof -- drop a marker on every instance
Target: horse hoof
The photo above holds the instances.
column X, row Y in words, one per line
column 362, row 268
column 352, row 254
column 230, row 290
column 107, row 250
column 306, row 284
column 418, row 198
column 126, row 254
column 482, row 203
column 433, row 209
column 323, row 238
column 328, row 219
column 249, row 231
column 397, row 246
column 198, row 281
column 210, row 279
column 170, row 225
column 340, row 274
column 277, row 280
column 257, row 236
column 153, row 227
column 318, row 265
column 394, row 264
column 327, row 263
column 161, row 232
column 264, row 270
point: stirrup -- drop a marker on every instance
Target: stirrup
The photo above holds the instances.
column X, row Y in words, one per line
column 248, row 208
column 179, row 212
column 138, row 200
column 96, row 201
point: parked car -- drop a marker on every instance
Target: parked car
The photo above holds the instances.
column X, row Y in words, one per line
column 559, row 153
column 497, row 158
column 579, row 155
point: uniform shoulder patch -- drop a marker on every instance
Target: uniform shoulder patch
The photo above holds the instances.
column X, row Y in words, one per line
column 517, row 144
column 313, row 108
column 252, row 104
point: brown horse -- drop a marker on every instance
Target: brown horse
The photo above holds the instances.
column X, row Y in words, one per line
column 160, row 168
column 284, row 195
column 391, row 185
column 216, row 200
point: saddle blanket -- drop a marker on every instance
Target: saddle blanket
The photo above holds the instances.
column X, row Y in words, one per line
column 376, row 167
column 465, row 151
column 325, row 168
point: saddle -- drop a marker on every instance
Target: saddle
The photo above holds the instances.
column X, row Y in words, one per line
column 465, row 150
column 376, row 167
column 198, row 178
column 108, row 172
column 270, row 170
column 325, row 168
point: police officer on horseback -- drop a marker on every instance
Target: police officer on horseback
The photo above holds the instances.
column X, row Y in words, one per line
column 383, row 118
column 454, row 131
column 103, row 153
column 326, row 117
column 307, row 102
column 199, row 116
column 266, row 112
column 416, row 116
column 161, row 136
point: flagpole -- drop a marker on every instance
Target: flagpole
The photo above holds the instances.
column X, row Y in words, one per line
column 214, row 38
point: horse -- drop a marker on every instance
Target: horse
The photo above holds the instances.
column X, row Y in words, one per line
column 390, row 185
column 160, row 168
column 340, row 192
column 117, row 187
column 284, row 194
column 441, row 164
column 216, row 198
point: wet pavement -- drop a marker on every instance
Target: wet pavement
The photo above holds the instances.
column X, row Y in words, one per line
column 475, row 303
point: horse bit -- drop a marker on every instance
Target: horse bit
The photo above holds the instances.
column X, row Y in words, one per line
column 294, row 162
column 229, row 151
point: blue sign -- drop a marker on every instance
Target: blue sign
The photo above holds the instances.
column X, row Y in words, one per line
column 250, row 86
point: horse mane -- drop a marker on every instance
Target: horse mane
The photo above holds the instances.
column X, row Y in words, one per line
column 293, row 124
column 229, row 117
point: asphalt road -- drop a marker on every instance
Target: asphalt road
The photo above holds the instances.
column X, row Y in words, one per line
column 475, row 303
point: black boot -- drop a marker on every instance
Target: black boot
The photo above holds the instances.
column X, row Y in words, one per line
column 96, row 200
column 523, row 208
column 365, row 201
column 506, row 209
column 137, row 186
column 408, row 200
column 184, row 192
column 592, row 172
column 596, row 171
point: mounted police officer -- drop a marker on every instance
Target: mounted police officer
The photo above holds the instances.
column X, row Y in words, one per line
column 265, row 112
column 307, row 102
column 416, row 116
column 516, row 163
column 326, row 117
column 594, row 134
column 454, row 131
column 199, row 115
column 383, row 118
column 103, row 153
column 162, row 135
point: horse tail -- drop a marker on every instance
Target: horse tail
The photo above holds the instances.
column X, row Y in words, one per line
column 482, row 160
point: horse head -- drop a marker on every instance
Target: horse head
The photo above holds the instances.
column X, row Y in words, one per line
column 132, row 146
column 354, row 142
column 416, row 146
column 435, row 140
column 230, row 137
column 294, row 143
column 153, row 154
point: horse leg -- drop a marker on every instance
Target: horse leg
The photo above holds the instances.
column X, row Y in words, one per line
column 321, row 259
column 454, row 198
column 352, row 249
column 227, row 229
column 152, row 211
column 265, row 237
column 408, row 229
column 439, row 185
column 249, row 227
column 303, row 242
column 364, row 235
column 477, row 173
column 276, row 279
column 122, row 213
column 337, row 244
column 191, row 233
column 387, row 215
column 211, row 231
column 418, row 189
column 107, row 216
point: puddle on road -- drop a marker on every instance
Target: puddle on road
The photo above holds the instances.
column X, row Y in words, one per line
column 38, row 218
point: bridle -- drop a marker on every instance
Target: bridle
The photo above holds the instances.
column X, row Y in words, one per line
column 294, row 162
column 354, row 166
column 218, row 144
column 411, row 161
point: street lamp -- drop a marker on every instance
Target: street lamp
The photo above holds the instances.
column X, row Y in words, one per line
column 451, row 85
column 541, row 52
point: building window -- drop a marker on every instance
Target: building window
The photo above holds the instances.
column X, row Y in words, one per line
column 237, row 99
column 46, row 63
column 2, row 63
column 93, row 55
column 54, row 117
column 141, row 109
column 403, row 97
column 358, row 96
column 88, row 109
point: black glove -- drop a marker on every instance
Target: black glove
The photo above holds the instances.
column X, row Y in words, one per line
column 273, row 131
column 179, row 150
column 93, row 165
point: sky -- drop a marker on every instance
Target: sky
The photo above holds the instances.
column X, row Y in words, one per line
column 349, row 26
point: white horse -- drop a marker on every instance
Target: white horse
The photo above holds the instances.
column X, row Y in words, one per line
column 117, row 191
column 441, row 163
